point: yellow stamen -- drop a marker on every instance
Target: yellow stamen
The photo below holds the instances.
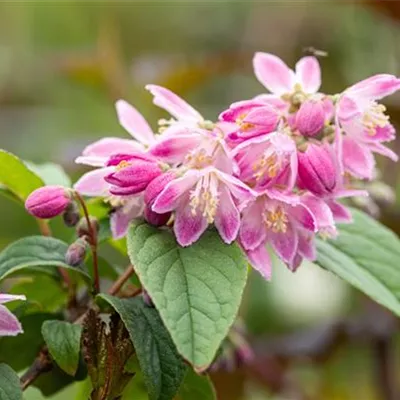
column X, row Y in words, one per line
column 276, row 220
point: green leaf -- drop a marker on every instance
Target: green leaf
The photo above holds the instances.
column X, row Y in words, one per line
column 163, row 370
column 10, row 387
column 16, row 176
column 197, row 387
column 366, row 254
column 36, row 252
column 196, row 289
column 50, row 173
column 63, row 341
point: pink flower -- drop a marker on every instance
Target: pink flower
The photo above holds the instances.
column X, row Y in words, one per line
column 282, row 221
column 267, row 160
column 310, row 118
column 201, row 197
column 252, row 118
column 9, row 324
column 279, row 79
column 48, row 201
column 365, row 124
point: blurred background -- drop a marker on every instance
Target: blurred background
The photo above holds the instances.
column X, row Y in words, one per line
column 63, row 65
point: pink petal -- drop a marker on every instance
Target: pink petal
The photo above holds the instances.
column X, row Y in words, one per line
column 340, row 212
column 260, row 260
column 93, row 161
column 321, row 212
column 93, row 184
column 174, row 149
column 188, row 227
column 304, row 217
column 273, row 73
column 252, row 230
column 172, row 103
column 385, row 151
column 308, row 74
column 134, row 123
column 9, row 324
column 306, row 246
column 375, row 87
column 285, row 243
column 5, row 298
column 227, row 219
column 272, row 100
column 122, row 217
column 358, row 159
column 347, row 109
column 107, row 147
column 169, row 198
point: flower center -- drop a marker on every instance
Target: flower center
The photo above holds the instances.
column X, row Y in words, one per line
column 243, row 126
column 198, row 159
column 204, row 197
column 276, row 220
column 123, row 164
column 375, row 117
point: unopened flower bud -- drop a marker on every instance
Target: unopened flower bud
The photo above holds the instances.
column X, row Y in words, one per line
column 318, row 169
column 71, row 215
column 76, row 252
column 48, row 201
column 154, row 218
column 82, row 229
column 310, row 118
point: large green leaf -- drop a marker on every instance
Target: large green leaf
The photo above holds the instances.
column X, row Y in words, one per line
column 63, row 340
column 197, row 387
column 16, row 176
column 163, row 369
column 36, row 252
column 366, row 254
column 10, row 388
column 196, row 289
column 50, row 173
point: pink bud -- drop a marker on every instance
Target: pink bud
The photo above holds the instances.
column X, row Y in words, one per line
column 310, row 118
column 133, row 178
column 318, row 169
column 48, row 201
column 154, row 218
column 76, row 252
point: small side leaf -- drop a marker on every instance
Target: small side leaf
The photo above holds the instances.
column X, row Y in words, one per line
column 16, row 176
column 10, row 387
column 36, row 252
column 63, row 341
column 366, row 254
column 163, row 370
column 197, row 387
column 197, row 289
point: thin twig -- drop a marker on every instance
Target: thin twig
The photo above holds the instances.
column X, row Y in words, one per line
column 41, row 365
column 93, row 242
column 116, row 287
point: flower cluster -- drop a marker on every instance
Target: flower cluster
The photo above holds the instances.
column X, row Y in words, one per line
column 268, row 172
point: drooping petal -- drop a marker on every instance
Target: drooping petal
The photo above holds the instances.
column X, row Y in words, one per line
column 358, row 159
column 273, row 73
column 227, row 219
column 9, row 324
column 93, row 183
column 188, row 227
column 385, row 151
column 340, row 212
column 123, row 216
column 93, row 161
column 252, row 229
column 321, row 212
column 134, row 123
column 304, row 217
column 261, row 261
column 169, row 198
column 172, row 103
column 285, row 243
column 5, row 298
column 308, row 74
column 174, row 149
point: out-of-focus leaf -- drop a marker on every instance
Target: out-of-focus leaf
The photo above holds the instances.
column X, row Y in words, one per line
column 36, row 251
column 196, row 289
column 196, row 387
column 20, row 351
column 16, row 176
column 162, row 368
column 10, row 387
column 63, row 341
column 98, row 208
column 51, row 174
column 366, row 254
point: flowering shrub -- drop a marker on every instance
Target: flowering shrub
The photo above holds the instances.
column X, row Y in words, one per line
column 267, row 175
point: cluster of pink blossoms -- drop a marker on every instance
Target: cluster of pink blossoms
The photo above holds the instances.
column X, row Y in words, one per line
column 268, row 172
